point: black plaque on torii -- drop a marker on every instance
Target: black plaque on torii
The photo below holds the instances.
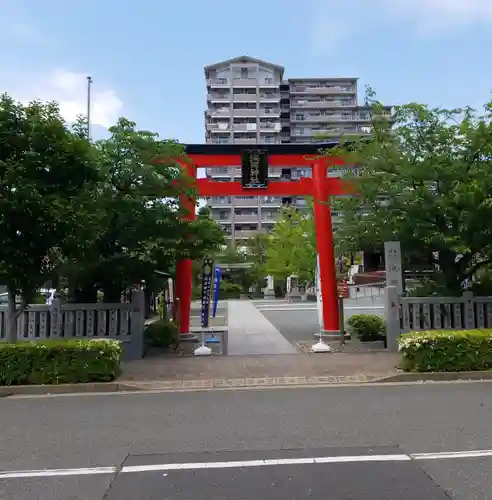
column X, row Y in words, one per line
column 254, row 169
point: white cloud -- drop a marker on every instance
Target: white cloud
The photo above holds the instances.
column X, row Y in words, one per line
column 69, row 89
column 442, row 15
column 333, row 22
column 326, row 33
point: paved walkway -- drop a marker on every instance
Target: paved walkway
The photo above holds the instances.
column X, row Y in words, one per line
column 251, row 333
column 370, row 365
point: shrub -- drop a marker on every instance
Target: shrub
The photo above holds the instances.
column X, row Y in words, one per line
column 161, row 333
column 229, row 290
column 59, row 361
column 446, row 350
column 367, row 327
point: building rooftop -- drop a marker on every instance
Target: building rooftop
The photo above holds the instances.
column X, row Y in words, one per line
column 243, row 59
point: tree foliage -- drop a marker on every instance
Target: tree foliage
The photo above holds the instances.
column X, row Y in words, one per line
column 45, row 170
column 139, row 229
column 91, row 216
column 292, row 246
column 256, row 253
column 427, row 182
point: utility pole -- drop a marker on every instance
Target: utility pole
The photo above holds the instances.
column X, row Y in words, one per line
column 89, row 84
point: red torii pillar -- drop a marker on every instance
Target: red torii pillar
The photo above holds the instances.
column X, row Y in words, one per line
column 319, row 186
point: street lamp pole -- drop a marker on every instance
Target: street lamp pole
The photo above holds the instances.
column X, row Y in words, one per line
column 89, row 84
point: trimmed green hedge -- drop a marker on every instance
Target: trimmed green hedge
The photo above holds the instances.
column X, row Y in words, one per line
column 446, row 350
column 161, row 333
column 59, row 361
column 367, row 327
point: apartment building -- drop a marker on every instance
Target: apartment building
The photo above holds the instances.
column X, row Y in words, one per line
column 249, row 102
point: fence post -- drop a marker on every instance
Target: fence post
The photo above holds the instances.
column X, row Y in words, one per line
column 55, row 319
column 392, row 309
column 137, row 322
column 469, row 310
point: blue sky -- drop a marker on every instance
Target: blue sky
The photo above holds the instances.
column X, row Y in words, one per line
column 147, row 58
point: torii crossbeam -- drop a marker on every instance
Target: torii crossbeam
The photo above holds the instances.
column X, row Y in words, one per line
column 319, row 186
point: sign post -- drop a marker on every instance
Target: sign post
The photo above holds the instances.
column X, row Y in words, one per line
column 319, row 346
column 393, row 265
column 207, row 271
column 217, row 276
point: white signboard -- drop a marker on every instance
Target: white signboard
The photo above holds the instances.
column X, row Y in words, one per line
column 393, row 265
column 319, row 297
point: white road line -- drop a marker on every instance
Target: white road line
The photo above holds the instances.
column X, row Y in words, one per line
column 25, row 474
column 456, row 454
column 90, row 471
column 311, row 308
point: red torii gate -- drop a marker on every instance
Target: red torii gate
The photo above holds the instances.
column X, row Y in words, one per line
column 319, row 187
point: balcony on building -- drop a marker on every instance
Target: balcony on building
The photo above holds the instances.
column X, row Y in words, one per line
column 271, row 201
column 218, row 111
column 269, row 82
column 322, row 117
column 218, row 127
column 267, row 97
column 246, row 215
column 245, row 233
column 219, row 201
column 246, row 201
column 217, row 139
column 269, row 138
column 323, row 88
column 269, row 216
column 250, row 82
column 245, row 125
column 323, row 103
column 245, row 109
column 266, row 111
column 245, row 138
column 216, row 97
column 217, row 83
column 220, row 172
column 245, row 98
column 270, row 126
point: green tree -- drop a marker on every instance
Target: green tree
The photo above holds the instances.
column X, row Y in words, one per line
column 256, row 253
column 45, row 170
column 140, row 228
column 292, row 246
column 426, row 182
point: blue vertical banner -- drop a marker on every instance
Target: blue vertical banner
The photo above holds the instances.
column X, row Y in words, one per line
column 340, row 263
column 217, row 276
column 207, row 272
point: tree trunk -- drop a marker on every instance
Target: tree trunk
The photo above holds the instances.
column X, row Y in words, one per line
column 112, row 293
column 11, row 317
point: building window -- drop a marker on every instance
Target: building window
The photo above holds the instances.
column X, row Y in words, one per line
column 299, row 116
column 268, row 81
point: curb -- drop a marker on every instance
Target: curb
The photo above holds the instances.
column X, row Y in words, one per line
column 434, row 377
column 236, row 383
column 181, row 385
column 21, row 390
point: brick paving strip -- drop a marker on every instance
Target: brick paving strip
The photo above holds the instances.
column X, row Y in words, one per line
column 177, row 385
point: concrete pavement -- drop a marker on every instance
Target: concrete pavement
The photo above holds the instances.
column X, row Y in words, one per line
column 117, row 431
column 251, row 333
column 299, row 321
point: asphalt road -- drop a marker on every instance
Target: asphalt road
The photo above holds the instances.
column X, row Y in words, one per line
column 337, row 443
column 299, row 321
